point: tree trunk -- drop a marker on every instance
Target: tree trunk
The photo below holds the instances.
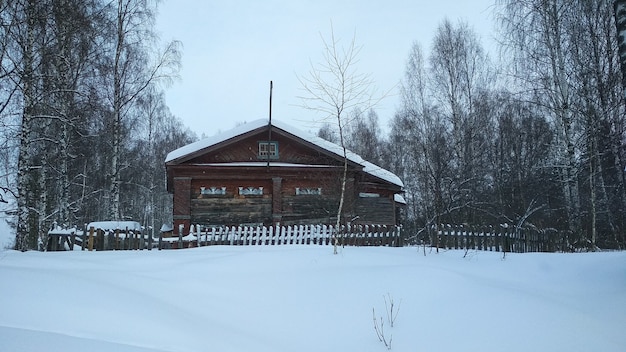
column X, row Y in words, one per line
column 26, row 235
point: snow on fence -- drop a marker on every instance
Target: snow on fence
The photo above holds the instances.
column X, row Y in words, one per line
column 357, row 235
column 503, row 239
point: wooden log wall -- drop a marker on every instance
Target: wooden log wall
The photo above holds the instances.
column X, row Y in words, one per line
column 376, row 210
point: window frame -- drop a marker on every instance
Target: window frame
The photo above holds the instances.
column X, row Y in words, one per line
column 268, row 150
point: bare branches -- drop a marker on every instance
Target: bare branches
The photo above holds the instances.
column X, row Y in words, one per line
column 379, row 328
column 334, row 86
column 379, row 324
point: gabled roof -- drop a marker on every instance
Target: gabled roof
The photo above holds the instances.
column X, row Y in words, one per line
column 181, row 154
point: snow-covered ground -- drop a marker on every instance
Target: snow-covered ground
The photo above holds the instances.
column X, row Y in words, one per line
column 304, row 298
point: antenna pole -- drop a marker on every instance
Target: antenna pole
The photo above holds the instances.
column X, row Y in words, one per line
column 269, row 128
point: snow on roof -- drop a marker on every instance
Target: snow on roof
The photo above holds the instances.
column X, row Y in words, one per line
column 167, row 228
column 398, row 198
column 115, row 225
column 210, row 141
column 368, row 167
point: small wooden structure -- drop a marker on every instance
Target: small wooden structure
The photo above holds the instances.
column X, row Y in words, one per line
column 59, row 239
column 262, row 174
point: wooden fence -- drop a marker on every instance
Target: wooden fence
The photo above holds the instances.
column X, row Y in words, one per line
column 357, row 235
column 502, row 239
column 106, row 240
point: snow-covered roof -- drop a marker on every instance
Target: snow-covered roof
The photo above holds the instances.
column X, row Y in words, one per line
column 167, row 228
column 333, row 148
column 63, row 232
column 115, row 225
column 210, row 141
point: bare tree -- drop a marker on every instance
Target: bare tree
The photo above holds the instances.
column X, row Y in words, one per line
column 131, row 76
column 459, row 80
column 334, row 87
column 25, row 34
column 536, row 33
column 567, row 63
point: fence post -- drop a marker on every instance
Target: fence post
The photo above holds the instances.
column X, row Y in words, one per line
column 217, row 235
column 83, row 237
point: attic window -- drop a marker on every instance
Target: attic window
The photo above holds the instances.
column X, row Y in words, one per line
column 268, row 150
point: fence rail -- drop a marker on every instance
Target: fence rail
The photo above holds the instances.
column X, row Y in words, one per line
column 357, row 235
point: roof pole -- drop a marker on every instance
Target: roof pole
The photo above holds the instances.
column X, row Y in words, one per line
column 269, row 128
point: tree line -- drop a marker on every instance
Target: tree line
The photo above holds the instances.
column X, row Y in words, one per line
column 536, row 140
column 83, row 119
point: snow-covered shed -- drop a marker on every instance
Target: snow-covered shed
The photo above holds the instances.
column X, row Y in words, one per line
column 259, row 173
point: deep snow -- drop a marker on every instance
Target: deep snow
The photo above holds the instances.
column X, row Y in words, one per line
column 304, row 298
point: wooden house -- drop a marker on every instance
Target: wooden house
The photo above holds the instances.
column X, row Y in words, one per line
column 266, row 174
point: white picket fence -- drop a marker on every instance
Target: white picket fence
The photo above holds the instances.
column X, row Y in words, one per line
column 356, row 235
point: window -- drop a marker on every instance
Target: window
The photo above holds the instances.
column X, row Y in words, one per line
column 268, row 150
column 308, row 191
column 251, row 191
column 368, row 195
column 213, row 191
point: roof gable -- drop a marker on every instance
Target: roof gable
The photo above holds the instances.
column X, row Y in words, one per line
column 198, row 148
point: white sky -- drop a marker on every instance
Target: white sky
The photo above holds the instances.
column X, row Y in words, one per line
column 233, row 49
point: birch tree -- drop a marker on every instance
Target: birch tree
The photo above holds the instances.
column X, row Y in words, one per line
column 334, row 87
column 460, row 74
column 565, row 54
column 131, row 76
column 422, row 155
column 600, row 104
column 536, row 33
column 24, row 33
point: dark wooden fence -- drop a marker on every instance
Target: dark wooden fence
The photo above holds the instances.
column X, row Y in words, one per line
column 500, row 239
column 357, row 235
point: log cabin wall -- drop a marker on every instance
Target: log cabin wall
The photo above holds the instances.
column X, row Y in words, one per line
column 295, row 202
column 302, row 204
column 231, row 208
column 375, row 210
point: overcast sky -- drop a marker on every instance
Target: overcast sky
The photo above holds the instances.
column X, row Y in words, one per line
column 233, row 49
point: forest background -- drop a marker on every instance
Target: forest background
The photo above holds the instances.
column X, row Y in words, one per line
column 536, row 138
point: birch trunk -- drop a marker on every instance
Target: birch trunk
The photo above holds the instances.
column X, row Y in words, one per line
column 26, row 233
column 114, row 187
